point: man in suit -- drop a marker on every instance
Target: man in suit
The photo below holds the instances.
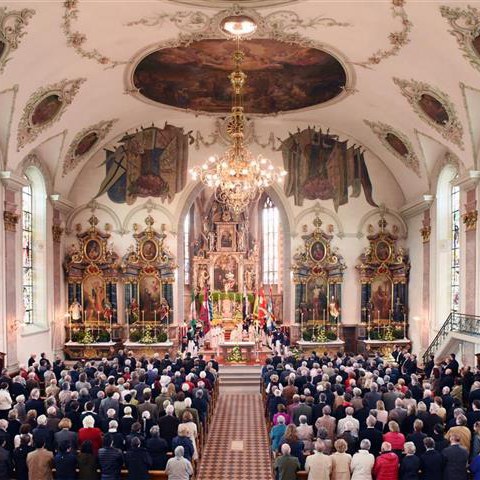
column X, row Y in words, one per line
column 452, row 365
column 418, row 437
column 371, row 433
column 286, row 465
column 455, row 459
column 373, row 396
column 431, row 462
column 474, row 415
column 168, row 425
column 40, row 462
column 304, row 408
column 389, row 397
column 148, row 406
column 108, row 403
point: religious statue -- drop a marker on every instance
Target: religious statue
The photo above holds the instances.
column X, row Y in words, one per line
column 164, row 310
column 398, row 310
column 134, row 310
column 75, row 311
column 250, row 279
column 334, row 309
column 241, row 238
column 229, row 281
column 203, row 278
column 107, row 310
column 211, row 241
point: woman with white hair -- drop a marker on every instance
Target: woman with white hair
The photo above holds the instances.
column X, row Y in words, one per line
column 90, row 432
column 178, row 467
column 363, row 462
column 410, row 465
column 305, row 434
column 386, row 464
column 191, row 427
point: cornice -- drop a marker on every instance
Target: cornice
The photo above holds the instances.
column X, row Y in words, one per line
column 12, row 181
column 468, row 181
column 417, row 206
column 63, row 205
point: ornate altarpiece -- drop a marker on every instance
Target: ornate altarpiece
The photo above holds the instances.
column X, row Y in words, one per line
column 318, row 276
column 91, row 270
column 384, row 272
column 225, row 262
column 148, row 272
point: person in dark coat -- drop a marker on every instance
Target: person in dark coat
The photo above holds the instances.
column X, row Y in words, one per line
column 371, row 433
column 111, row 462
column 182, row 440
column 20, row 457
column 5, row 463
column 157, row 447
column 118, row 438
column 417, row 437
column 169, row 426
column 410, row 464
column 43, row 433
column 65, row 435
column 87, row 462
column 138, row 461
column 431, row 462
column 65, row 462
column 455, row 459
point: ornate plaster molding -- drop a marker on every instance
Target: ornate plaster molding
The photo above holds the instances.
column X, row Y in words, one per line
column 465, row 23
column 470, row 219
column 33, row 160
column 71, row 160
column 12, row 29
column 92, row 206
column 66, row 91
column 57, row 232
column 413, row 90
column 76, row 39
column 4, row 152
column 10, row 220
column 228, row 3
column 381, row 130
column 382, row 211
column 397, row 39
column 425, row 232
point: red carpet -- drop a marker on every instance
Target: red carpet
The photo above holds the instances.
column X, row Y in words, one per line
column 237, row 445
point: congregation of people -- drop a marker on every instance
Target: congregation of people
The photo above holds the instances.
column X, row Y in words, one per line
column 110, row 419
column 353, row 417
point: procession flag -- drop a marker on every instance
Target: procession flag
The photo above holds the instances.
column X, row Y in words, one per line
column 246, row 303
column 193, row 312
column 261, row 308
column 206, row 312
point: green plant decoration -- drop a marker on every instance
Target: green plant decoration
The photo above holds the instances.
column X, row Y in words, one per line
column 235, row 355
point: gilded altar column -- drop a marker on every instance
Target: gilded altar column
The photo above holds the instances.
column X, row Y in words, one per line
column 12, row 245
column 61, row 209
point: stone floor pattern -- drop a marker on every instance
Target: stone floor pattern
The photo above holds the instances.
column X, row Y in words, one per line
column 237, row 445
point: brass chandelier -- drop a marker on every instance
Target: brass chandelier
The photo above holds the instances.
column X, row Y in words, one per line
column 237, row 176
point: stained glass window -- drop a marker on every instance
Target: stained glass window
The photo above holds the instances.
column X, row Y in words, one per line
column 186, row 240
column 455, row 248
column 27, row 254
column 270, row 221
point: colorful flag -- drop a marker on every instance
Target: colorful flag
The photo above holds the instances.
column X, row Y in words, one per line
column 246, row 303
column 270, row 305
column 193, row 312
column 206, row 312
column 261, row 308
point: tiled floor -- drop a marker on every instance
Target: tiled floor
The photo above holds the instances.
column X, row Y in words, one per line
column 237, row 445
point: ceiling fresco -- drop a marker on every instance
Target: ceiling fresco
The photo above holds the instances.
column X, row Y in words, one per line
column 281, row 77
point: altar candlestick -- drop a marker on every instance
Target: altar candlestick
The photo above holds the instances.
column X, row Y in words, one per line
column 85, row 315
column 98, row 322
column 404, row 325
column 70, row 325
column 378, row 325
column 155, row 323
column 324, row 318
column 143, row 322
column 301, row 325
column 368, row 325
column 111, row 330
column 128, row 325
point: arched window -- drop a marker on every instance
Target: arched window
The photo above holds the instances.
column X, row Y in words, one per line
column 27, row 262
column 34, row 271
column 447, row 263
column 270, row 229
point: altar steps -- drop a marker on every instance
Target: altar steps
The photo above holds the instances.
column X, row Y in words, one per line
column 240, row 378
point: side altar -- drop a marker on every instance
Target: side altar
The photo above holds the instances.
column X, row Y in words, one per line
column 225, row 263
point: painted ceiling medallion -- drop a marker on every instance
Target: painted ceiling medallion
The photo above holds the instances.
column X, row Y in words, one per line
column 44, row 108
column 397, row 143
column 465, row 23
column 434, row 107
column 84, row 142
column 193, row 77
column 230, row 3
column 12, row 24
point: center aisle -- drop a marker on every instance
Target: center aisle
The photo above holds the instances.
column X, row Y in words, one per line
column 237, row 446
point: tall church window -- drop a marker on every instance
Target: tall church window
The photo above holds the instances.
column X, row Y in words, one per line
column 27, row 255
column 270, row 228
column 455, row 248
column 186, row 240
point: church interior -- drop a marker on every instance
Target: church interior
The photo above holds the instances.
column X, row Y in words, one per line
column 236, row 178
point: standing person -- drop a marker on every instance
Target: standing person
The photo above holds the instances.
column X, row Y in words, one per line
column 5, row 401
column 318, row 466
column 87, row 462
column 431, row 462
column 386, row 465
column 90, row 432
column 455, row 459
column 5, row 462
column 363, row 462
column 286, row 465
column 65, row 462
column 138, row 461
column 410, row 463
column 111, row 461
column 20, row 457
column 341, row 461
column 178, row 467
column 40, row 462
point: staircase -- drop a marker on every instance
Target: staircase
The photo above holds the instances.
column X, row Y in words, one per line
column 458, row 328
column 240, row 378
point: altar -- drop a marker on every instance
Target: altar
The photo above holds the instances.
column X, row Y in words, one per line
column 243, row 351
column 332, row 347
column 148, row 350
column 384, row 347
column 91, row 351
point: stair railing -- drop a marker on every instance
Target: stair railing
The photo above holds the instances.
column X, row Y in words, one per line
column 455, row 322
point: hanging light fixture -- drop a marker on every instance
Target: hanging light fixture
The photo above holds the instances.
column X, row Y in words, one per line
column 237, row 176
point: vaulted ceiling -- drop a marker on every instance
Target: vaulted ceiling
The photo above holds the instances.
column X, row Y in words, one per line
column 400, row 78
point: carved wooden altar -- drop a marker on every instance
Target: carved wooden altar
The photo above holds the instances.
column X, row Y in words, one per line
column 318, row 275
column 226, row 263
column 384, row 270
column 148, row 272
column 91, row 271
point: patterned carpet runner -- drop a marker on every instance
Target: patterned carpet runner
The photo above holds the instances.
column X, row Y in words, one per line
column 237, row 446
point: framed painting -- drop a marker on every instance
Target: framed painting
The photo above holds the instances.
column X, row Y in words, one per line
column 317, row 297
column 317, row 251
column 225, row 274
column 149, row 250
column 150, row 292
column 383, row 251
column 93, row 297
column 226, row 239
column 93, row 250
column 382, row 296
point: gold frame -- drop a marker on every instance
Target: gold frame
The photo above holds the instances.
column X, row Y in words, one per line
column 389, row 246
column 142, row 245
column 85, row 252
column 226, row 228
column 325, row 250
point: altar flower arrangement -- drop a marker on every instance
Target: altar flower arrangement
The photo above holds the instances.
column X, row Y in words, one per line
column 235, row 355
column 86, row 338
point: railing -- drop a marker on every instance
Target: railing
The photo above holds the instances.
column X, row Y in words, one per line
column 455, row 322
